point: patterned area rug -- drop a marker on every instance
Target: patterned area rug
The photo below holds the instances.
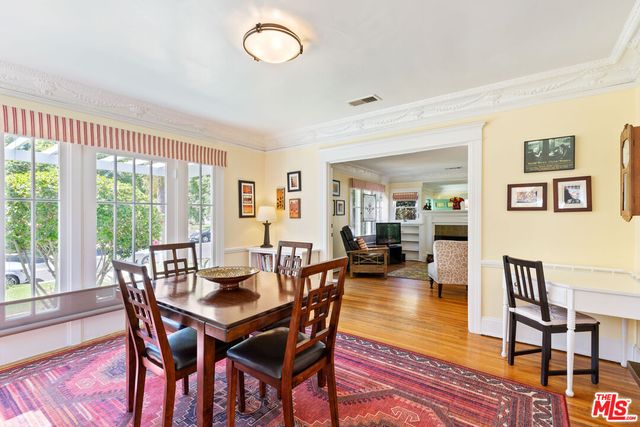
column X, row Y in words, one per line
column 378, row 385
column 412, row 270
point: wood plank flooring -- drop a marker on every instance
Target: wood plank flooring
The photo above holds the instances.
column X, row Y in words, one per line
column 407, row 314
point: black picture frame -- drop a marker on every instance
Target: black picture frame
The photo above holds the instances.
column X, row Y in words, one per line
column 294, row 181
column 336, row 188
column 550, row 154
column 339, row 208
column 246, row 199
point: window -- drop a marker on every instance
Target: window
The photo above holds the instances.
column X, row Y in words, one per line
column 31, row 223
column 131, row 210
column 405, row 206
column 359, row 226
column 201, row 211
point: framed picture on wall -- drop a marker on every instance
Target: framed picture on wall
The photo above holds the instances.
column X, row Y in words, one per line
column 294, row 209
column 572, row 194
column 527, row 197
column 339, row 208
column 551, row 154
column 336, row 187
column 294, row 181
column 280, row 198
column 247, row 199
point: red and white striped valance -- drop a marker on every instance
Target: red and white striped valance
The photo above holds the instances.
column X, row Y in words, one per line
column 405, row 196
column 21, row 121
column 366, row 185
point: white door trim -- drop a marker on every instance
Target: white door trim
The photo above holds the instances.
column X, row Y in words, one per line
column 467, row 135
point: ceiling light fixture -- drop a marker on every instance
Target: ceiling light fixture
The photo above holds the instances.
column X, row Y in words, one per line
column 272, row 43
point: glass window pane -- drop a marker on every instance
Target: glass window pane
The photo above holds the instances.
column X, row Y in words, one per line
column 17, row 269
column 46, row 247
column 194, row 183
column 159, row 182
column 124, row 232
column 143, row 180
column 142, row 234
column 46, row 167
column 125, row 179
column 104, row 177
column 104, row 244
column 158, row 221
column 207, row 184
column 194, row 223
column 206, row 246
column 17, row 166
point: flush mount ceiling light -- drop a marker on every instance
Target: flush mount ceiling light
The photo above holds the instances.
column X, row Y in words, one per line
column 272, row 43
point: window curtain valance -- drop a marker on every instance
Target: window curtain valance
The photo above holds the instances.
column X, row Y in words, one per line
column 21, row 121
column 366, row 185
column 405, row 196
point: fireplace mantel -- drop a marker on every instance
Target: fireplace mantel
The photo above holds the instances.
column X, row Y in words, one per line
column 432, row 218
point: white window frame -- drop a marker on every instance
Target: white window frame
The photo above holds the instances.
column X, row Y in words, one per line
column 392, row 205
column 356, row 223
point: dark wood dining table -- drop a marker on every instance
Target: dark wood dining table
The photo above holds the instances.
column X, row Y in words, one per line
column 219, row 314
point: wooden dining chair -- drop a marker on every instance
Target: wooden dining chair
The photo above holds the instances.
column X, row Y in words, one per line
column 171, row 357
column 291, row 263
column 286, row 357
column 175, row 264
column 537, row 313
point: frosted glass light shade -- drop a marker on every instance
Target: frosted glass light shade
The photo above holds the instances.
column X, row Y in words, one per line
column 272, row 43
column 266, row 213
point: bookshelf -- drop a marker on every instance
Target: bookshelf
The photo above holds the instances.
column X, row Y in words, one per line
column 264, row 258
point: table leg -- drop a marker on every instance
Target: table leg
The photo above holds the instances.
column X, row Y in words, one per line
column 571, row 340
column 130, row 371
column 505, row 318
column 206, row 372
column 623, row 362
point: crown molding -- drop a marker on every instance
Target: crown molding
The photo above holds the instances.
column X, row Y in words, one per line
column 34, row 85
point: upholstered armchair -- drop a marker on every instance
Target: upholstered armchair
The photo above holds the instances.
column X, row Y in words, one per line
column 449, row 266
column 364, row 260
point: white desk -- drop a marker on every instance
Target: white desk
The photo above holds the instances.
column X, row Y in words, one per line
column 602, row 292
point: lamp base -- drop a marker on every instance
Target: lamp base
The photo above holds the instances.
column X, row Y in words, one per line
column 266, row 243
column 266, row 246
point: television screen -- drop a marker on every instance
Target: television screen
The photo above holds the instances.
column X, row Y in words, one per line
column 388, row 233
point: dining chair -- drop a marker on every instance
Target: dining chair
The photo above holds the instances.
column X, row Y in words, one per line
column 171, row 357
column 537, row 313
column 176, row 263
column 285, row 357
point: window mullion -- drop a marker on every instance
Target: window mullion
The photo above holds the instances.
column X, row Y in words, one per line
column 33, row 218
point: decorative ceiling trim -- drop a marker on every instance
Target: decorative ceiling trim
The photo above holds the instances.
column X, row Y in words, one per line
column 621, row 69
column 27, row 83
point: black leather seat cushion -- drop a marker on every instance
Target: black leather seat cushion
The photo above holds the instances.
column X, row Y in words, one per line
column 282, row 323
column 172, row 324
column 184, row 347
column 265, row 352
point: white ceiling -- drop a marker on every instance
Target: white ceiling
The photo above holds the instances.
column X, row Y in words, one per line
column 424, row 166
column 187, row 55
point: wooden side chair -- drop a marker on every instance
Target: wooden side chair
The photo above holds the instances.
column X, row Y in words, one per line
column 290, row 264
column 286, row 357
column 539, row 314
column 171, row 357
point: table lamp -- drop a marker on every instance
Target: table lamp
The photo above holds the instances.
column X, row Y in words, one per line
column 266, row 214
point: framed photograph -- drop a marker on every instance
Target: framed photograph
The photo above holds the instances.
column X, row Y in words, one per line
column 294, row 181
column 294, row 209
column 247, row 199
column 527, row 197
column 552, row 154
column 336, row 187
column 572, row 194
column 338, row 208
column 368, row 207
column 280, row 198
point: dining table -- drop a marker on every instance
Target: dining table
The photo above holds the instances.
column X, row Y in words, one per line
column 218, row 314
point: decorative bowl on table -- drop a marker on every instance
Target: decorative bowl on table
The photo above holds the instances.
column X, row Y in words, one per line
column 227, row 277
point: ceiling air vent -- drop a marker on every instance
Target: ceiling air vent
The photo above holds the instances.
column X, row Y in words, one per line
column 365, row 100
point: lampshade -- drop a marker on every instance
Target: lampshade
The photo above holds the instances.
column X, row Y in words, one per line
column 272, row 43
column 266, row 213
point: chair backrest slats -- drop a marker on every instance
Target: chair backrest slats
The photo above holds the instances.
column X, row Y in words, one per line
column 526, row 288
column 290, row 264
column 175, row 265
column 318, row 312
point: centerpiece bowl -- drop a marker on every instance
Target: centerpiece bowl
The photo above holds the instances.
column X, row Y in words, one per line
column 227, row 277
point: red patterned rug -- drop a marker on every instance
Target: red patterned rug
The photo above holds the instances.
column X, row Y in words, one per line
column 378, row 385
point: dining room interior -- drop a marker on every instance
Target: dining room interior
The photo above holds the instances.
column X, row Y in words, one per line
column 266, row 213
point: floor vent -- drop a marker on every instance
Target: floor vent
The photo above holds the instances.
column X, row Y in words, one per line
column 365, row 100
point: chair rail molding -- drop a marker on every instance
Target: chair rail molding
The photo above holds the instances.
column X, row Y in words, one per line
column 466, row 135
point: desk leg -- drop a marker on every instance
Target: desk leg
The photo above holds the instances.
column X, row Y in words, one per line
column 625, row 329
column 505, row 319
column 206, row 380
column 130, row 371
column 571, row 340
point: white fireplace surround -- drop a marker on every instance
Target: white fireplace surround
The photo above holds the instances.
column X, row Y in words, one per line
column 433, row 218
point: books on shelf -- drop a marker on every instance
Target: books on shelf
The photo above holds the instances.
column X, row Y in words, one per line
column 265, row 262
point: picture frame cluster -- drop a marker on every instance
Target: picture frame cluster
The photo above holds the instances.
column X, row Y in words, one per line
column 338, row 205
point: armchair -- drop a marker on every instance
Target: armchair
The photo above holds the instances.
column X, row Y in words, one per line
column 370, row 260
column 449, row 264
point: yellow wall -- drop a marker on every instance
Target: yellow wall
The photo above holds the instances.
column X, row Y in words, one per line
column 340, row 221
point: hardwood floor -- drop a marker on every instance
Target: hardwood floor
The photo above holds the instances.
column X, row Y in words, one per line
column 407, row 314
